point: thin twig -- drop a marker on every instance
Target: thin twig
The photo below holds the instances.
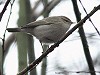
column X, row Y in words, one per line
column 36, row 5
column 3, row 40
column 49, row 7
column 90, row 18
column 4, row 9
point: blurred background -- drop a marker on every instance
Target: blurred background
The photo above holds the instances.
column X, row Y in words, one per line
column 69, row 58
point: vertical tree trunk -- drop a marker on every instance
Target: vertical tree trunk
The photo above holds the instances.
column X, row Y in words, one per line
column 24, row 41
column 83, row 39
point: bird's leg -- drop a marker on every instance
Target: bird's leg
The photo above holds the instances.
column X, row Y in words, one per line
column 44, row 46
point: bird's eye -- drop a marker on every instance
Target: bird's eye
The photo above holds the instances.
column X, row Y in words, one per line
column 66, row 19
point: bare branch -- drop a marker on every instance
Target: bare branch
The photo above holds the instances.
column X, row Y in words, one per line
column 4, row 9
column 90, row 19
column 36, row 5
column 83, row 39
column 48, row 7
column 8, row 43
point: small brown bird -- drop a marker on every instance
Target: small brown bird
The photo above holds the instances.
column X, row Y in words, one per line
column 47, row 30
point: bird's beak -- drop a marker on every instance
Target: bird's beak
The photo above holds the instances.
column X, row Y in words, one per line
column 73, row 22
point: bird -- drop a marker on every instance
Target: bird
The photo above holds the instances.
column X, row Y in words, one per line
column 47, row 30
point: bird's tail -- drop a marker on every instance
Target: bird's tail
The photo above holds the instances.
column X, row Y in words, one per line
column 13, row 29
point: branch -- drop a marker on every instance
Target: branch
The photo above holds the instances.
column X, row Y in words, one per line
column 3, row 40
column 47, row 8
column 4, row 9
column 36, row 5
column 90, row 18
column 38, row 60
column 83, row 39
column 8, row 43
column 50, row 6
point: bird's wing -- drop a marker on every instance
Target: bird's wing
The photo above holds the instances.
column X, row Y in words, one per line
column 36, row 23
